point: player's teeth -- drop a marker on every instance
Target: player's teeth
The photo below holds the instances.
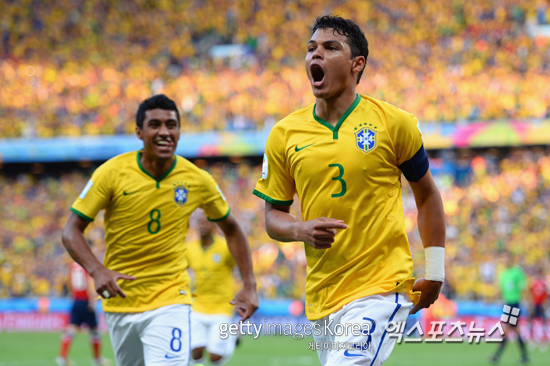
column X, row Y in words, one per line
column 165, row 143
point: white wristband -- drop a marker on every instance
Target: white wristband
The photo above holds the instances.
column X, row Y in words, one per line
column 435, row 263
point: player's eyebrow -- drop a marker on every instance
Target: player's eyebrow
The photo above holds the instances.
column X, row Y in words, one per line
column 156, row 120
column 325, row 43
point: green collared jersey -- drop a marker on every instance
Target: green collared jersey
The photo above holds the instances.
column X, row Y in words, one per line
column 348, row 172
column 146, row 221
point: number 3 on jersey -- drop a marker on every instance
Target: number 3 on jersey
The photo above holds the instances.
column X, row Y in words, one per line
column 339, row 178
column 153, row 226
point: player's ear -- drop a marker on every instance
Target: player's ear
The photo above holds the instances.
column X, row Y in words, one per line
column 139, row 133
column 358, row 64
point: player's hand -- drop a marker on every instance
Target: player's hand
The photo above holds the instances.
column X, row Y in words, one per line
column 319, row 233
column 246, row 302
column 105, row 282
column 429, row 292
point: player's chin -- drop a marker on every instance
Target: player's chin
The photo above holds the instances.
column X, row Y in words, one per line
column 321, row 93
column 163, row 152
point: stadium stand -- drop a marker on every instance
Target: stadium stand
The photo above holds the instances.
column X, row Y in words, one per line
column 494, row 202
column 85, row 76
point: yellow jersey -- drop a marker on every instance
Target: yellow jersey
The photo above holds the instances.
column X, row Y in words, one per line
column 146, row 221
column 213, row 284
column 348, row 172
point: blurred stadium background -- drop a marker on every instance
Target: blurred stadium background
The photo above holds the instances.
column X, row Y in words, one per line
column 72, row 73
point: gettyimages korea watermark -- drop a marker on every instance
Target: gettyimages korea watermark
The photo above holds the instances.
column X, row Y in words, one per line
column 455, row 332
column 297, row 331
column 439, row 331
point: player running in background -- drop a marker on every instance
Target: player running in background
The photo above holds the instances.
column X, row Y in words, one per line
column 343, row 156
column 539, row 295
column 82, row 312
column 214, row 287
column 148, row 196
column 512, row 283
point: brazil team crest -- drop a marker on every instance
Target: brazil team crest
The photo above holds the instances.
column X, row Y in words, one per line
column 180, row 195
column 365, row 139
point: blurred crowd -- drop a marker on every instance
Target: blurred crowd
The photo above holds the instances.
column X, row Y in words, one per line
column 500, row 205
column 80, row 67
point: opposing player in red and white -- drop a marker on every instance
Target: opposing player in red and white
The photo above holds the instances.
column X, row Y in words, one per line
column 82, row 312
column 539, row 294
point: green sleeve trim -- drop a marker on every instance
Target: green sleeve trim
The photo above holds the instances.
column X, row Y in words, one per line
column 271, row 200
column 221, row 218
column 81, row 215
column 340, row 121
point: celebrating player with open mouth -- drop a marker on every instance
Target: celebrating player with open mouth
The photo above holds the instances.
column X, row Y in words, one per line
column 148, row 196
column 343, row 157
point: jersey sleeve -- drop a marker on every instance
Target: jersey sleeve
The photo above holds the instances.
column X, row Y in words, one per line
column 96, row 195
column 213, row 201
column 276, row 185
column 405, row 133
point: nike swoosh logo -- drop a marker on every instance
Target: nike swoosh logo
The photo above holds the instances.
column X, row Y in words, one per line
column 347, row 354
column 301, row 148
column 169, row 357
column 128, row 193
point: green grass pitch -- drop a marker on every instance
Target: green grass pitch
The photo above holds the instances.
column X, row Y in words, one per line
column 40, row 349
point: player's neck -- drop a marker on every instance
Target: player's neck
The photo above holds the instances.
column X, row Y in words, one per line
column 156, row 167
column 333, row 108
column 206, row 241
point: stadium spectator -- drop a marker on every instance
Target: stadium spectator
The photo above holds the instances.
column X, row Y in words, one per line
column 62, row 72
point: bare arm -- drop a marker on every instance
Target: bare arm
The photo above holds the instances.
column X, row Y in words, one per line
column 431, row 217
column 282, row 226
column 246, row 299
column 73, row 240
column 431, row 225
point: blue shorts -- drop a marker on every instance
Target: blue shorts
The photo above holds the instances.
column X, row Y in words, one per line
column 80, row 313
column 538, row 312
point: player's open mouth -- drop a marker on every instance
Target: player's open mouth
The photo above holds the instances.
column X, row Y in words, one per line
column 317, row 75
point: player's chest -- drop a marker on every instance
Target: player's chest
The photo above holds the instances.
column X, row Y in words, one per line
column 209, row 260
column 177, row 194
column 362, row 148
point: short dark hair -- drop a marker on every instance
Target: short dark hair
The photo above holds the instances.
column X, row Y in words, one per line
column 346, row 27
column 159, row 101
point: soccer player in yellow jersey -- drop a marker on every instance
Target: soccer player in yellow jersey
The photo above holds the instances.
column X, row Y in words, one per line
column 343, row 156
column 214, row 287
column 148, row 196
